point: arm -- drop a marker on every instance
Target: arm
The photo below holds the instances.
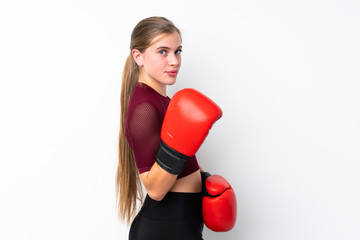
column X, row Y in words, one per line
column 187, row 122
column 144, row 128
column 157, row 182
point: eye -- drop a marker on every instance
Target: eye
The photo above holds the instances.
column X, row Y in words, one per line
column 178, row 52
column 162, row 52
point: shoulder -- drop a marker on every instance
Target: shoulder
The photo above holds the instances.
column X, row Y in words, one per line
column 144, row 96
column 144, row 106
column 144, row 116
column 142, row 100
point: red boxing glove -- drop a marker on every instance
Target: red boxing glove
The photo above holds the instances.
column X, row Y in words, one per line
column 188, row 119
column 219, row 204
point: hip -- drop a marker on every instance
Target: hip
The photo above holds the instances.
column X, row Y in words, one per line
column 177, row 216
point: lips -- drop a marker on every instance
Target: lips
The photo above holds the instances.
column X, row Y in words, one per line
column 172, row 73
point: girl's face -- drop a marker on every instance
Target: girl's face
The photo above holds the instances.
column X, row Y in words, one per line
column 160, row 62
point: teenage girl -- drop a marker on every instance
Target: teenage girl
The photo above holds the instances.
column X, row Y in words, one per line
column 159, row 153
column 172, row 208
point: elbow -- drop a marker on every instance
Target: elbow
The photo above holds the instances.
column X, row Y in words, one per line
column 156, row 195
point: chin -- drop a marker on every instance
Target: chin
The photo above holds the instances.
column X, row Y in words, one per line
column 170, row 82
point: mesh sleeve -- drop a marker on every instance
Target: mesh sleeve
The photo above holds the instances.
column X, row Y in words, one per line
column 144, row 126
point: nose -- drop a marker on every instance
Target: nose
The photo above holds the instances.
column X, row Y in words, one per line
column 174, row 60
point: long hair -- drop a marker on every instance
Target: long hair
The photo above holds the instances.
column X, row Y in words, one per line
column 128, row 183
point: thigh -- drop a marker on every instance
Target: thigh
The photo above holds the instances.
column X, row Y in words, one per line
column 135, row 227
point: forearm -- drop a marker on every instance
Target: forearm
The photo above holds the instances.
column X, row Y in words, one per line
column 157, row 182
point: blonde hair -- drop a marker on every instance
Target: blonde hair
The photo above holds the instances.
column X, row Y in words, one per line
column 128, row 183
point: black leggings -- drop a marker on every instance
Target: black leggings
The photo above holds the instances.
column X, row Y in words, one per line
column 177, row 216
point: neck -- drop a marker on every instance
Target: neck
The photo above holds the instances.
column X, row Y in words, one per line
column 159, row 87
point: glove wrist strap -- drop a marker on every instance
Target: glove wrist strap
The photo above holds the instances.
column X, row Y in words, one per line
column 204, row 176
column 171, row 160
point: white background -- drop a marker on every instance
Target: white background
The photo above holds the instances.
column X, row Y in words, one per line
column 285, row 73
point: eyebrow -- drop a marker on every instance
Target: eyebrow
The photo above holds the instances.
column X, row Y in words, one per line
column 180, row 47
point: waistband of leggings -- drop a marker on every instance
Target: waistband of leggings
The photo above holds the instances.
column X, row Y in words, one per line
column 174, row 206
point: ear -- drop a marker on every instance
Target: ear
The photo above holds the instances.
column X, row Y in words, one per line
column 138, row 57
